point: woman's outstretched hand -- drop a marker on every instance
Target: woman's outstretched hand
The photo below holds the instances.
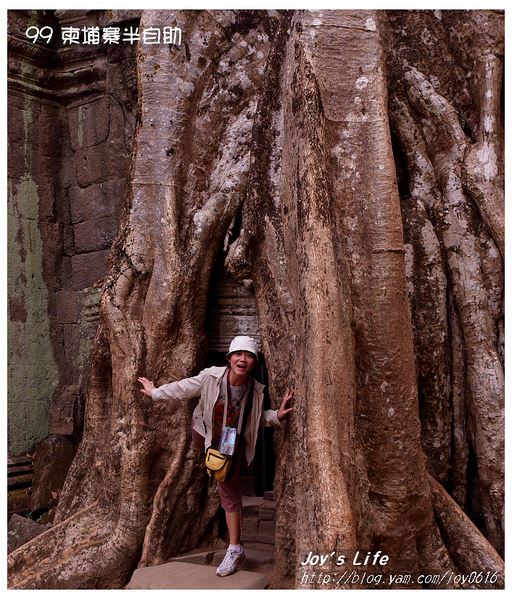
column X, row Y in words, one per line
column 147, row 384
column 284, row 411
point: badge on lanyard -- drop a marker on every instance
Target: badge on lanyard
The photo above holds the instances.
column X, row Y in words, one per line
column 230, row 433
column 228, row 439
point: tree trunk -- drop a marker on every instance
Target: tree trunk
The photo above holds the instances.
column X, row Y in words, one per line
column 352, row 164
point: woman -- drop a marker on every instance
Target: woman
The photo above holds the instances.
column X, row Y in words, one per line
column 244, row 397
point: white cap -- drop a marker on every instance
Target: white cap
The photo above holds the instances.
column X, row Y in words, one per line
column 243, row 343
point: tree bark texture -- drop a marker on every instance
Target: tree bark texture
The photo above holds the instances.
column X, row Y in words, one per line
column 349, row 166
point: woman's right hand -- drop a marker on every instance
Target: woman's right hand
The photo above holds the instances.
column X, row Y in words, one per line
column 147, row 384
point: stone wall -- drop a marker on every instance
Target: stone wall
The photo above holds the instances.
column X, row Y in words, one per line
column 71, row 124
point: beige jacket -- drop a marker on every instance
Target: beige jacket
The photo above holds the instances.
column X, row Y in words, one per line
column 206, row 385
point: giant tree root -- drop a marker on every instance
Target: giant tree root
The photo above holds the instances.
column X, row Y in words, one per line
column 469, row 549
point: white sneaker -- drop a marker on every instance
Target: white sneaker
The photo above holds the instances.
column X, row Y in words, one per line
column 230, row 562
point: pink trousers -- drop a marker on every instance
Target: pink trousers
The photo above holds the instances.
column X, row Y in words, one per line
column 230, row 491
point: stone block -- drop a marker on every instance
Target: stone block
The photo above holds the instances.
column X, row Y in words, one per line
column 251, row 506
column 266, row 531
column 78, row 341
column 62, row 412
column 16, row 161
column 15, row 124
column 52, row 460
column 101, row 162
column 179, row 575
column 117, row 123
column 67, row 175
column 68, row 241
column 267, row 510
column 37, row 418
column 257, row 560
column 90, row 302
column 18, row 501
column 65, row 272
column 53, row 128
column 201, row 557
column 23, row 136
column 71, row 335
column 96, row 234
column 251, row 511
column 97, row 201
column 251, row 500
column 88, row 269
column 89, row 123
column 44, row 175
column 20, row 530
column 66, row 306
column 91, row 164
column 249, row 529
column 118, row 157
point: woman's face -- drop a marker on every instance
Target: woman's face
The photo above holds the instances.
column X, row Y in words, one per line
column 242, row 362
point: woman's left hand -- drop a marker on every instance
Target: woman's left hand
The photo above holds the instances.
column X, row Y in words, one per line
column 284, row 411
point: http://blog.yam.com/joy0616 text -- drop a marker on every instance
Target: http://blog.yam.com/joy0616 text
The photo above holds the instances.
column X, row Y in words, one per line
column 334, row 569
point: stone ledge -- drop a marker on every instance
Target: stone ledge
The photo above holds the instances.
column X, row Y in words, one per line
column 181, row 575
column 21, row 530
column 255, row 558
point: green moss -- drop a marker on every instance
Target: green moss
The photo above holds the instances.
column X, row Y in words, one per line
column 28, row 118
column 32, row 370
column 80, row 126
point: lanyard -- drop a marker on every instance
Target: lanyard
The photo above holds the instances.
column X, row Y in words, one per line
column 227, row 400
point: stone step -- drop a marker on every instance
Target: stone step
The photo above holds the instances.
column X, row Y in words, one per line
column 258, row 517
column 19, row 482
column 196, row 569
column 183, row 575
column 256, row 560
column 19, row 460
column 18, row 501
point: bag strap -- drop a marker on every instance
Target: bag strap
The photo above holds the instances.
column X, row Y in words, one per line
column 249, row 405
